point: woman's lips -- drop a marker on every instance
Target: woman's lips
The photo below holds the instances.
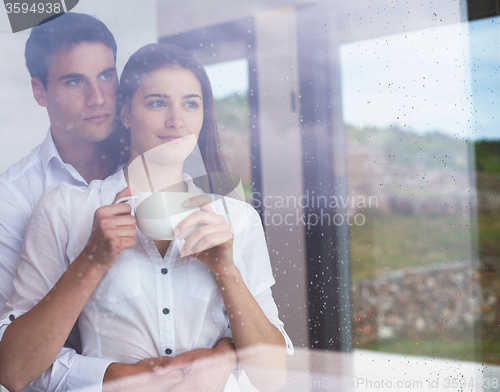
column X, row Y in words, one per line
column 171, row 138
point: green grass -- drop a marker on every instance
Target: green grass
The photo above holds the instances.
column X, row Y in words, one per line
column 452, row 345
column 489, row 236
column 390, row 242
column 446, row 345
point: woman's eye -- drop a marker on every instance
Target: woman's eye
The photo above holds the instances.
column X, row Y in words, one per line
column 192, row 104
column 157, row 104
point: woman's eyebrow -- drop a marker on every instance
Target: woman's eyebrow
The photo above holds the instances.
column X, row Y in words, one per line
column 156, row 96
column 168, row 96
column 191, row 96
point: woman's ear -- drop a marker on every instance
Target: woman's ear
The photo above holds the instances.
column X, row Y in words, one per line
column 125, row 116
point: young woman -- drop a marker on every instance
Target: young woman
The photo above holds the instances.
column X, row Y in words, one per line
column 136, row 298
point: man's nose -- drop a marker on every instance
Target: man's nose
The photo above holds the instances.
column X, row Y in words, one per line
column 95, row 97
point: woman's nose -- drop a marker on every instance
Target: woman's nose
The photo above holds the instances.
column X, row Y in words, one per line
column 174, row 119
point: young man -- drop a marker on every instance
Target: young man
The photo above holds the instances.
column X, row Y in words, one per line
column 71, row 60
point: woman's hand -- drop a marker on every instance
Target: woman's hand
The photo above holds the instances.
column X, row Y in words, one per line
column 113, row 231
column 212, row 241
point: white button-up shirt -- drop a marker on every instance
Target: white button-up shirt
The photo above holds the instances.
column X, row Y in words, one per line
column 145, row 305
column 21, row 186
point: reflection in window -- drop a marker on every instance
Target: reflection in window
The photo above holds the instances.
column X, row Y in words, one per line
column 230, row 86
column 410, row 105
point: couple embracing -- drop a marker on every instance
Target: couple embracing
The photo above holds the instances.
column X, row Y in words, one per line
column 95, row 299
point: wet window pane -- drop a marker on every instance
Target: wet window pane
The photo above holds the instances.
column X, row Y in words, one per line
column 230, row 87
column 367, row 137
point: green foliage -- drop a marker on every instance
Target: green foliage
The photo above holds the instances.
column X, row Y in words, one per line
column 487, row 154
column 232, row 112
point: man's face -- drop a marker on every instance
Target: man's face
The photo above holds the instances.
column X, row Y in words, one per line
column 80, row 94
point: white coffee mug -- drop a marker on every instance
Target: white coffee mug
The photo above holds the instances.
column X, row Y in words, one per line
column 159, row 213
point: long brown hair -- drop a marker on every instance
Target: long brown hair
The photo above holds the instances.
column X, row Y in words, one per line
column 151, row 57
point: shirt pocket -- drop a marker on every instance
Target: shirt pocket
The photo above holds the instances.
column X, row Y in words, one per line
column 122, row 281
column 201, row 282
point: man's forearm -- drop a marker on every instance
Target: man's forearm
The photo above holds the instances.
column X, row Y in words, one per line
column 32, row 342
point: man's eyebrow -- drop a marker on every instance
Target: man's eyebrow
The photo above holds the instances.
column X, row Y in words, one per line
column 167, row 96
column 81, row 76
column 71, row 76
column 108, row 70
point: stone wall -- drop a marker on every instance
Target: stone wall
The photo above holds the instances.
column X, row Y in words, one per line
column 421, row 301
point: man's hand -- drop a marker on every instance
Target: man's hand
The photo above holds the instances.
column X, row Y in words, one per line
column 121, row 377
column 198, row 370
column 205, row 370
column 121, row 370
column 113, row 231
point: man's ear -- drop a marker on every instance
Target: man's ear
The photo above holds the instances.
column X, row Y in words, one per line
column 39, row 92
column 125, row 115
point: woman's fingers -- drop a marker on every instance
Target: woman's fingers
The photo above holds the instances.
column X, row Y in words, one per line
column 210, row 241
column 197, row 201
column 206, row 237
column 122, row 194
column 113, row 230
column 198, row 218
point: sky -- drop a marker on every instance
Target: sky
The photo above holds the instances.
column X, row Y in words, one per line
column 228, row 78
column 445, row 79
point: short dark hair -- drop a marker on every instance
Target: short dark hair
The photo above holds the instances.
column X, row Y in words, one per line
column 62, row 33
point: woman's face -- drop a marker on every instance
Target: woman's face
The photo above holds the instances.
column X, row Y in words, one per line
column 166, row 110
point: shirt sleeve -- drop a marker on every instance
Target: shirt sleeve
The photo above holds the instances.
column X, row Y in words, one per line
column 268, row 306
column 41, row 263
column 255, row 267
column 14, row 217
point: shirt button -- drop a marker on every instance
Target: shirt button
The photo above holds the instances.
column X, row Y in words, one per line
column 168, row 351
column 12, row 317
column 164, row 271
column 166, row 311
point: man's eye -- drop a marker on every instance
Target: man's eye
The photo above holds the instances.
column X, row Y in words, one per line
column 75, row 82
column 106, row 76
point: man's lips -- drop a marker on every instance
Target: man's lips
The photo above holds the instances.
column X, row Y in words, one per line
column 98, row 118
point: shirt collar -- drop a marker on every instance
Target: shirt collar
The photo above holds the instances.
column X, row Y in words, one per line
column 51, row 161
column 49, row 151
column 112, row 185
